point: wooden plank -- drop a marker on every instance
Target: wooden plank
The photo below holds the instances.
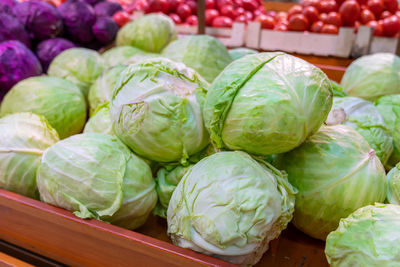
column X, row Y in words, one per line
column 59, row 235
column 201, row 16
column 278, row 6
column 6, row 260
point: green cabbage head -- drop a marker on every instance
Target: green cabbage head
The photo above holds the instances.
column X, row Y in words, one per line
column 58, row 100
column 393, row 179
column 156, row 110
column 118, row 55
column 389, row 107
column 336, row 172
column 230, row 206
column 150, row 33
column 101, row 90
column 267, row 103
column 23, row 138
column 338, row 90
column 81, row 66
column 96, row 176
column 372, row 76
column 365, row 118
column 368, row 237
column 240, row 52
column 100, row 122
column 203, row 53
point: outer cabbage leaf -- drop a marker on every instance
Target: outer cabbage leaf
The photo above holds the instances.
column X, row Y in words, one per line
column 365, row 118
column 336, row 172
column 118, row 55
column 100, row 122
column 368, row 237
column 389, row 108
column 267, row 103
column 393, row 178
column 372, row 76
column 150, row 33
column 203, row 53
column 23, row 139
column 230, row 206
column 79, row 65
column 58, row 100
column 101, row 90
column 240, row 52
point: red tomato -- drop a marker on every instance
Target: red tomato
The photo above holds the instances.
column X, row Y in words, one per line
column 366, row 16
column 271, row 13
column 221, row 3
column 357, row 25
column 298, row 22
column 329, row 29
column 391, row 5
column 158, row 6
column 323, row 17
column 222, row 22
column 239, row 11
column 350, row 12
column 262, row 9
column 281, row 16
column 250, row 5
column 311, row 14
column 193, row 6
column 249, row 15
column 391, row 26
column 281, row 27
column 238, row 3
column 141, row 5
column 385, row 14
column 183, row 11
column 398, row 13
column 175, row 18
column 121, row 18
column 284, row 22
column 314, row 3
column 228, row 11
column 296, row 9
column 339, row 2
column 378, row 31
column 241, row 18
column 173, row 4
column 211, row 14
column 267, row 22
column 210, row 4
column 317, row 26
column 328, row 6
column 192, row 20
column 334, row 18
column 362, row 2
column 376, row 6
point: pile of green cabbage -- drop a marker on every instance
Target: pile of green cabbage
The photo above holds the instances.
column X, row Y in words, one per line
column 228, row 146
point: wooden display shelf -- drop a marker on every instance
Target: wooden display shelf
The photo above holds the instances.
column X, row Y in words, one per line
column 59, row 235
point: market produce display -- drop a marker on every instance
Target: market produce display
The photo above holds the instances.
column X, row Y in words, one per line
column 227, row 146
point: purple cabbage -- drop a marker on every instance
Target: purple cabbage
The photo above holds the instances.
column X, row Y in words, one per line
column 93, row 2
column 79, row 18
column 107, row 8
column 47, row 50
column 6, row 6
column 105, row 29
column 41, row 20
column 17, row 62
column 12, row 29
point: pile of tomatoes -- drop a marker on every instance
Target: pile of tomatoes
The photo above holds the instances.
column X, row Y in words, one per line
column 327, row 16
column 219, row 13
